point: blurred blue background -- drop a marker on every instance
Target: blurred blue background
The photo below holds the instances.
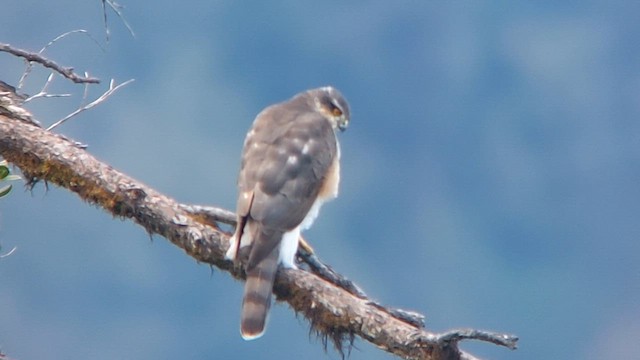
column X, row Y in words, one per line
column 490, row 173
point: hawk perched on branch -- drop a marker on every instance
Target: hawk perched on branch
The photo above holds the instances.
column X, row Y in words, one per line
column 290, row 166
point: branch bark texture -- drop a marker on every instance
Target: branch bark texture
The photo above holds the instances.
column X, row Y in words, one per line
column 333, row 312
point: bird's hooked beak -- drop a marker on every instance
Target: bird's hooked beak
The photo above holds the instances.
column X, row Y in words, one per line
column 343, row 123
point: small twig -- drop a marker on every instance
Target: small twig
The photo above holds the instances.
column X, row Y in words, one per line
column 62, row 36
column 9, row 253
column 27, row 70
column 410, row 317
column 116, row 8
column 85, row 93
column 211, row 214
column 104, row 15
column 95, row 102
column 36, row 57
column 44, row 93
column 326, row 272
column 506, row 340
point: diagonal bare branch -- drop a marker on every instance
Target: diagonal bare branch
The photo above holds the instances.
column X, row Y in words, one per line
column 38, row 58
column 334, row 313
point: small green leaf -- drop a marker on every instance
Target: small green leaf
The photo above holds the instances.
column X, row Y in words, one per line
column 5, row 190
column 12, row 178
column 4, row 172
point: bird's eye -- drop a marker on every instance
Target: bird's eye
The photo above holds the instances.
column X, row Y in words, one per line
column 335, row 109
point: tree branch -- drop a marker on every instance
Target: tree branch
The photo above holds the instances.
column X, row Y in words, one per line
column 116, row 8
column 36, row 57
column 112, row 88
column 334, row 313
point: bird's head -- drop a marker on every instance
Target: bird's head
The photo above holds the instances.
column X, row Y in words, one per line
column 332, row 105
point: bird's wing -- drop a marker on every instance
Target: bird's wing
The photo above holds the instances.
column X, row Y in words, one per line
column 286, row 158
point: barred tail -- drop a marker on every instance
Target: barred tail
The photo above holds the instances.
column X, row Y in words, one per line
column 257, row 297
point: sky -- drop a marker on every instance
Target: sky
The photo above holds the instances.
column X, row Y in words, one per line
column 489, row 174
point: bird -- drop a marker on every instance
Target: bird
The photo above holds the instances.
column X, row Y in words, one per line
column 290, row 166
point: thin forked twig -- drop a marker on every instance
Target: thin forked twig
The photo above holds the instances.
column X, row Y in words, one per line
column 44, row 93
column 116, row 8
column 103, row 97
column 38, row 58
